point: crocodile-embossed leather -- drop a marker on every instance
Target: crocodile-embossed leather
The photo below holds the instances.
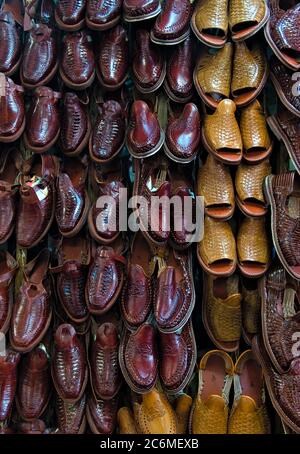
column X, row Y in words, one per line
column 12, row 111
column 71, row 416
column 180, row 70
column 8, row 382
column 105, row 373
column 68, row 366
column 75, row 125
column 112, row 58
column 108, row 134
column 284, row 83
column 8, row 269
column 103, row 12
column 284, row 29
column 32, row 310
column 34, row 385
column 10, row 43
column 254, row 130
column 102, row 415
column 39, row 56
column 77, row 61
column 173, row 20
column 70, row 12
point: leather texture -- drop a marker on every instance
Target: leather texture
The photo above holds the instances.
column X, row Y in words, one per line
column 180, row 71
column 8, row 381
column 255, row 134
column 174, row 19
column 283, row 28
column 71, row 417
column 10, row 47
column 12, row 111
column 75, row 125
column 103, row 12
column 138, row 9
column 70, row 12
column 8, row 269
column 102, row 415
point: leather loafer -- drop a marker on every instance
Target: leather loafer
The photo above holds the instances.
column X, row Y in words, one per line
column 32, row 305
column 34, row 385
column 71, row 417
column 102, row 415
column 77, row 68
column 40, row 59
column 140, row 10
column 172, row 25
column 69, row 14
column 12, row 111
column 112, row 58
column 105, row 373
column 138, row 358
column 144, row 135
column 102, row 15
column 8, row 382
column 42, row 120
column 8, row 269
column 10, row 43
column 183, row 135
column 69, row 368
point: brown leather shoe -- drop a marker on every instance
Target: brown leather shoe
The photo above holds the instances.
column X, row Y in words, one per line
column 139, row 10
column 8, row 382
column 42, row 120
column 102, row 415
column 108, row 136
column 152, row 179
column 68, row 367
column 102, row 15
column 8, row 269
column 10, row 47
column 281, row 193
column 112, row 58
column 210, row 22
column 105, row 374
column 69, row 14
column 137, row 295
column 172, row 25
column 10, row 166
column 280, row 317
column 103, row 218
column 105, row 278
column 73, row 258
column 251, row 309
column 138, row 358
column 183, row 135
column 126, row 423
column 286, row 87
column 32, row 305
column 40, row 59
column 178, row 83
column 178, row 354
column 37, row 200
column 247, row 18
column 75, row 125
column 174, row 293
column 144, row 135
column 71, row 418
column 12, row 111
column 148, row 66
column 34, row 385
column 286, row 127
column 77, row 68
column 73, row 202
column 35, row 427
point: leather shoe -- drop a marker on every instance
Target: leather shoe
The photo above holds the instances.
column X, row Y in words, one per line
column 8, row 382
column 102, row 15
column 172, row 25
column 10, row 43
column 12, row 111
column 8, row 269
column 69, row 14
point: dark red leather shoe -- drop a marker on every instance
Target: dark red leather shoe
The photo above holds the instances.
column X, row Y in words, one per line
column 105, row 373
column 42, row 120
column 12, row 111
column 71, row 416
column 139, row 10
column 105, row 278
column 40, row 59
column 8, row 382
column 112, row 58
column 34, row 385
column 183, row 135
column 32, row 306
column 137, row 295
column 35, row 427
column 37, row 201
column 103, row 14
column 178, row 354
column 8, row 269
column 172, row 25
column 138, row 358
column 148, row 66
column 152, row 180
column 10, row 166
column 75, row 125
column 77, row 67
column 108, row 136
column 103, row 218
column 73, row 202
column 71, row 272
column 69, row 368
column 102, row 415
column 10, row 43
column 178, row 83
column 70, row 14
column 175, row 294
column 144, row 135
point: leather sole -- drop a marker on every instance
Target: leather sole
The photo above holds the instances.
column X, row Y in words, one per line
column 251, row 31
column 151, row 152
column 71, row 84
column 146, row 90
column 250, row 209
column 102, row 27
column 44, row 81
column 288, row 61
column 169, row 42
column 223, row 270
column 235, row 157
column 13, row 137
column 143, row 16
column 173, row 97
column 282, row 96
column 209, row 40
column 226, row 213
column 258, row 156
column 42, row 149
column 68, row 28
column 175, row 158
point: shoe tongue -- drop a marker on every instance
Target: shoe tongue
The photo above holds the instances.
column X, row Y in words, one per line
column 247, row 404
column 215, row 402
